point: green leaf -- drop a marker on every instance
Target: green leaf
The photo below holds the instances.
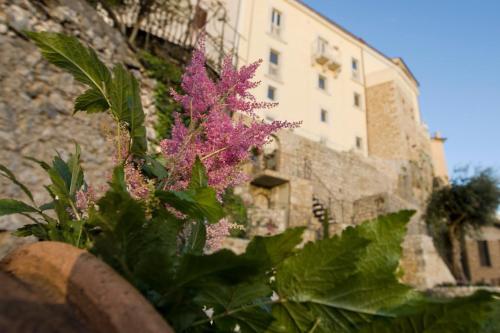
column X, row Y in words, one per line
column 341, row 283
column 37, row 230
column 244, row 304
column 223, row 264
column 120, row 218
column 76, row 180
column 198, row 204
column 42, row 164
column 197, row 238
column 199, row 177
column 478, row 313
column 118, row 179
column 4, row 171
column 126, row 106
column 67, row 53
column 11, row 206
column 271, row 251
column 154, row 168
column 91, row 101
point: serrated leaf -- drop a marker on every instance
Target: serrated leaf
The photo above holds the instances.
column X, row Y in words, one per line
column 478, row 313
column 67, row 53
column 198, row 204
column 341, row 283
column 126, row 106
column 11, row 206
column 91, row 101
column 271, row 251
column 37, row 230
column 247, row 298
column 4, row 171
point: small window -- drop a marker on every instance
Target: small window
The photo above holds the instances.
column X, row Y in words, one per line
column 321, row 82
column 275, row 22
column 355, row 68
column 322, row 45
column 357, row 100
column 324, row 116
column 273, row 57
column 359, row 142
column 273, row 63
column 355, row 65
column 271, row 93
column 484, row 253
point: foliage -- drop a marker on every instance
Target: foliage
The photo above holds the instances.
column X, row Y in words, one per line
column 167, row 76
column 153, row 226
column 467, row 204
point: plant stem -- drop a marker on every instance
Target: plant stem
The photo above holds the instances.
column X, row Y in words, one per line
column 236, row 310
column 213, row 153
column 316, row 323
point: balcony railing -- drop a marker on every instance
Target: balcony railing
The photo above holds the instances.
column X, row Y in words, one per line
column 325, row 55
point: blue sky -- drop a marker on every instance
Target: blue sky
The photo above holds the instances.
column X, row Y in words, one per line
column 453, row 48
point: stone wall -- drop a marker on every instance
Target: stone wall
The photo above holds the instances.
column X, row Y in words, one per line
column 36, row 98
column 488, row 269
column 355, row 188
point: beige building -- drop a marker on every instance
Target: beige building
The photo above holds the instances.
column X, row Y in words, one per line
column 482, row 255
column 320, row 73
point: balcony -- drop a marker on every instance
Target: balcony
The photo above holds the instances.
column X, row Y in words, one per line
column 325, row 55
column 265, row 170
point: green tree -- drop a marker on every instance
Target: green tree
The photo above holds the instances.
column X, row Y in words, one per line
column 465, row 205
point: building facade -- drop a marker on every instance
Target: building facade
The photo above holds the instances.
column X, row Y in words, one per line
column 362, row 149
column 482, row 255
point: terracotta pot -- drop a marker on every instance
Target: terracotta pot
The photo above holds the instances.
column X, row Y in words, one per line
column 82, row 287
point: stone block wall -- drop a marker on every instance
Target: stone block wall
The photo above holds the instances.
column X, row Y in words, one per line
column 489, row 271
column 36, row 98
column 355, row 188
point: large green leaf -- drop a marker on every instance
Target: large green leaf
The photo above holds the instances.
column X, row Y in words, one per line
column 241, row 305
column 91, row 101
column 11, row 206
column 271, row 251
column 479, row 313
column 341, row 283
column 69, row 54
column 126, row 106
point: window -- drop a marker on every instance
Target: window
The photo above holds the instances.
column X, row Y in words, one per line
column 275, row 22
column 271, row 93
column 324, row 116
column 273, row 63
column 357, row 100
column 484, row 253
column 359, row 142
column 355, row 68
column 322, row 45
column 321, row 82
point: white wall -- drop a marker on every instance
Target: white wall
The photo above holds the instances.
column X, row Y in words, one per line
column 297, row 90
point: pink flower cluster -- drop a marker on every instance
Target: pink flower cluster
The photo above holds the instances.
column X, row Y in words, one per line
column 216, row 233
column 85, row 198
column 221, row 142
column 136, row 183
